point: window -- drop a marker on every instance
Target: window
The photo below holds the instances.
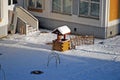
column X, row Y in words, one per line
column 14, row 1
column 62, row 6
column 10, row 2
column 35, row 5
column 89, row 8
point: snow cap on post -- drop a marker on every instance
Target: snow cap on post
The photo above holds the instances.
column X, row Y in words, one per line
column 62, row 30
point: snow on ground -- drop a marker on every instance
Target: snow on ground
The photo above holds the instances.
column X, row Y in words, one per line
column 22, row 54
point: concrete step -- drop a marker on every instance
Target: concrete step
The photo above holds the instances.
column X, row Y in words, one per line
column 31, row 29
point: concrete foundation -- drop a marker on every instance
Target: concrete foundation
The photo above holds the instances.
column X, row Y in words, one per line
column 76, row 28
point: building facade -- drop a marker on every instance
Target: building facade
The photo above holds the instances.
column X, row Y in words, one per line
column 85, row 17
column 100, row 18
column 6, row 6
column 3, row 17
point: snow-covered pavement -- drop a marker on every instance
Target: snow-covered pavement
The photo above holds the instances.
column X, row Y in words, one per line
column 22, row 54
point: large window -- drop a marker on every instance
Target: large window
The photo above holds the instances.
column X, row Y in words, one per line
column 62, row 6
column 35, row 5
column 89, row 8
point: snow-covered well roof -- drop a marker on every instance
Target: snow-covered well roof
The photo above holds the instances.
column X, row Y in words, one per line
column 62, row 30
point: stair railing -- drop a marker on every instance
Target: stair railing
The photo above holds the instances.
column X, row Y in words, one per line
column 27, row 17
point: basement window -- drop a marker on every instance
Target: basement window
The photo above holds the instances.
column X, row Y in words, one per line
column 35, row 5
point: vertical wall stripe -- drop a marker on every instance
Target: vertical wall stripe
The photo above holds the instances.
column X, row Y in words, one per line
column 114, row 10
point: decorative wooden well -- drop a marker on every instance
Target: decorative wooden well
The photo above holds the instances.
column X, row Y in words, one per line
column 61, row 43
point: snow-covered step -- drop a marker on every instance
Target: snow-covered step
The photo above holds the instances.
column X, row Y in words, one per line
column 30, row 29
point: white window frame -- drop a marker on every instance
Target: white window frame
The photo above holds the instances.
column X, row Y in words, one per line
column 62, row 11
column 1, row 10
column 35, row 7
column 89, row 9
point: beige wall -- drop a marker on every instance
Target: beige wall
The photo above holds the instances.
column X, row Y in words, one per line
column 4, row 13
column 4, row 18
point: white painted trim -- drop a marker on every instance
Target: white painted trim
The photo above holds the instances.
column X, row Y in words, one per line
column 4, row 13
column 0, row 9
column 114, row 22
column 107, row 13
column 1, row 12
column 101, row 13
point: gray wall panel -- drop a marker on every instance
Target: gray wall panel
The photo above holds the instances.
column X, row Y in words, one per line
column 113, row 30
column 80, row 29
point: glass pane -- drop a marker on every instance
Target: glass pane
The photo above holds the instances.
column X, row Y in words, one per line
column 67, row 6
column 31, row 3
column 39, row 4
column 56, row 5
column 94, row 10
column 9, row 2
column 96, row 0
column 84, row 8
column 14, row 1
